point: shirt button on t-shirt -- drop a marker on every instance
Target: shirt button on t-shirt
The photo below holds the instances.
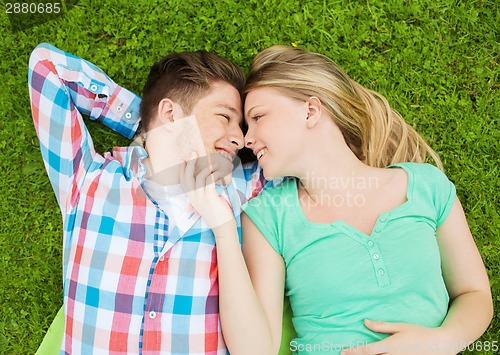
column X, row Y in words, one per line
column 93, row 87
column 370, row 243
column 375, row 256
column 152, row 314
column 381, row 272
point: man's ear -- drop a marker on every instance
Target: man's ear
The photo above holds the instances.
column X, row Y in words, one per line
column 168, row 111
column 314, row 110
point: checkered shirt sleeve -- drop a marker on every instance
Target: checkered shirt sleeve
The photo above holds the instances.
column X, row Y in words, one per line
column 59, row 81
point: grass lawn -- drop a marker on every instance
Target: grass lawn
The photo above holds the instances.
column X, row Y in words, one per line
column 435, row 60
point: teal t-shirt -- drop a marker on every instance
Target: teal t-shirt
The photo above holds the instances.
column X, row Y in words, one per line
column 337, row 276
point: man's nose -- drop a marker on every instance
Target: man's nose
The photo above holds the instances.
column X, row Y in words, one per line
column 236, row 137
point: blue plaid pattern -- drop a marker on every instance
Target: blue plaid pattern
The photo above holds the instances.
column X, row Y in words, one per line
column 129, row 287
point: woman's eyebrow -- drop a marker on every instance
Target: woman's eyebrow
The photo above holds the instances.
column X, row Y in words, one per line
column 250, row 110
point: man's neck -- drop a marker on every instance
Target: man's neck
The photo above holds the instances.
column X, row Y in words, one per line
column 164, row 172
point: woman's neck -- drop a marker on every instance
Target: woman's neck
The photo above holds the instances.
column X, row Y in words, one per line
column 336, row 172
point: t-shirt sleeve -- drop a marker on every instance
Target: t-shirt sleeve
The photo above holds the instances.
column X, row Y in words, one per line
column 263, row 214
column 444, row 196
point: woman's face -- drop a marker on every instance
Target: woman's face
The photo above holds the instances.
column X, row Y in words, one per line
column 276, row 124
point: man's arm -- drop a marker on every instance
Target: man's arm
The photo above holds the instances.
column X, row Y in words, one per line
column 61, row 87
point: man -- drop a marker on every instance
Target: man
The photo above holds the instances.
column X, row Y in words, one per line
column 140, row 273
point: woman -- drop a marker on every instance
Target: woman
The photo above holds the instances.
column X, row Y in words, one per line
column 374, row 252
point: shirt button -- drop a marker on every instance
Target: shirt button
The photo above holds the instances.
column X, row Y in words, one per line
column 370, row 243
column 376, row 256
column 93, row 87
column 381, row 272
column 377, row 230
column 162, row 258
column 383, row 219
column 152, row 314
column 119, row 108
column 128, row 115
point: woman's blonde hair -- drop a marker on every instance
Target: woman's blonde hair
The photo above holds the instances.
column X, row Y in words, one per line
column 377, row 134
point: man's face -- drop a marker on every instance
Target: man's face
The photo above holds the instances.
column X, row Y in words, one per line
column 212, row 129
column 219, row 117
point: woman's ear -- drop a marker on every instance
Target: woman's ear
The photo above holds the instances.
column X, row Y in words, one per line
column 314, row 109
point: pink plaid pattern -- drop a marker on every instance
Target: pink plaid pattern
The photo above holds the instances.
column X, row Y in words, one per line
column 129, row 287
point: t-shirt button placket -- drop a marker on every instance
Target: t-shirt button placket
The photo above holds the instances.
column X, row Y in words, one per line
column 377, row 261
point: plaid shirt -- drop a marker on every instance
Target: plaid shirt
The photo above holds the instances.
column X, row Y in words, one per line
column 130, row 284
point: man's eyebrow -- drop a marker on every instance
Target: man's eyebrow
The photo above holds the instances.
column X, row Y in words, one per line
column 230, row 108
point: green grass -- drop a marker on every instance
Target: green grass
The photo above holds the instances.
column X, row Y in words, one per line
column 435, row 60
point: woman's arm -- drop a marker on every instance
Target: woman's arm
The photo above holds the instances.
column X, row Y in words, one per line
column 250, row 291
column 250, row 288
column 471, row 307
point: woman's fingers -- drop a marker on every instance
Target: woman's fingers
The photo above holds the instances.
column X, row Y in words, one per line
column 218, row 174
column 197, row 178
column 186, row 175
column 193, row 180
column 205, row 177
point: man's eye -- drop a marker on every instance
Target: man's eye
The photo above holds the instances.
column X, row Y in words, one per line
column 256, row 117
column 225, row 116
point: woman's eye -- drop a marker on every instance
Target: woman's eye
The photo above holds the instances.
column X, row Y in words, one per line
column 225, row 116
column 256, row 117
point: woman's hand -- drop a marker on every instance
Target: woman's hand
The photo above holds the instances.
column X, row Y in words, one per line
column 406, row 339
column 197, row 178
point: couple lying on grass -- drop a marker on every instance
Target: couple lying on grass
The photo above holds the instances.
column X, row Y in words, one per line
column 173, row 246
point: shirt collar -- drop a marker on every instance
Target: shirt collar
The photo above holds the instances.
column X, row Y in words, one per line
column 131, row 159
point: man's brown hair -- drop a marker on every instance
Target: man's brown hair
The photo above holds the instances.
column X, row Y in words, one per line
column 185, row 78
